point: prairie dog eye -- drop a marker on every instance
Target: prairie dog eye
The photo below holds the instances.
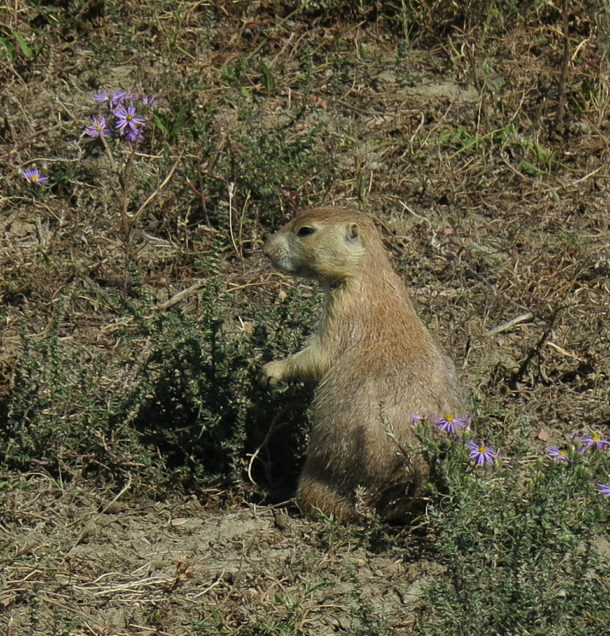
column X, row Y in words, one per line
column 305, row 231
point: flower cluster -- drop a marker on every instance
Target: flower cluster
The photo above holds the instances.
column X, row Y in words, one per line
column 122, row 116
column 481, row 452
column 587, row 443
column 484, row 454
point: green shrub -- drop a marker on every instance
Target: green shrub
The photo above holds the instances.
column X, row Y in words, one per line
column 519, row 541
column 184, row 407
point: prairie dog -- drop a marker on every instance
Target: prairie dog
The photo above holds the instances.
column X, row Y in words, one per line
column 376, row 363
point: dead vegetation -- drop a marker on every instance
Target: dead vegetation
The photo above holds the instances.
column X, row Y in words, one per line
column 478, row 139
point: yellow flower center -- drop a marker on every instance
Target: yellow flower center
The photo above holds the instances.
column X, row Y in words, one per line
column 34, row 178
column 597, row 437
column 482, row 449
column 450, row 418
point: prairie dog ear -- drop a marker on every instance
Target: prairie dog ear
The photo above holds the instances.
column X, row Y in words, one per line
column 352, row 232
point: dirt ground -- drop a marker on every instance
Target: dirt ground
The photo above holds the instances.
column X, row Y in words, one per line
column 124, row 566
column 503, row 240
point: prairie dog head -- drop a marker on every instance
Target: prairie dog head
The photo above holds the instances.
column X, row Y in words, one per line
column 325, row 244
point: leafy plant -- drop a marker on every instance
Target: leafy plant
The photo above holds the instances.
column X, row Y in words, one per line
column 188, row 410
column 519, row 543
column 13, row 46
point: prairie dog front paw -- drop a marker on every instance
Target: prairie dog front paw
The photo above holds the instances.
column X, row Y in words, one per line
column 271, row 373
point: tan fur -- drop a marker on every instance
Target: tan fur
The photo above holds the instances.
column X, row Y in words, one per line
column 376, row 364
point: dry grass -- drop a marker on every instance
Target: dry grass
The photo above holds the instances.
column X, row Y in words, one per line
column 484, row 153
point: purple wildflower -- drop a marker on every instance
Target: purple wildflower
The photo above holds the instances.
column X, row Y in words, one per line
column 481, row 453
column 451, row 424
column 559, row 455
column 98, row 128
column 151, row 101
column 415, row 420
column 127, row 117
column 595, row 440
column 34, row 176
column 114, row 99
column 604, row 489
column 134, row 135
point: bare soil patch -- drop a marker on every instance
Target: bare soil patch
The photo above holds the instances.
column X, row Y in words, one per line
column 78, row 561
